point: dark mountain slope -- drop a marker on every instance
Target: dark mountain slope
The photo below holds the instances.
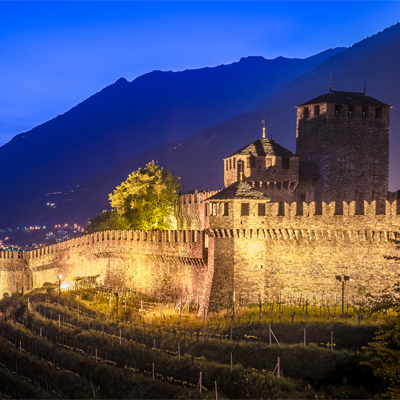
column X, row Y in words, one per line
column 198, row 161
column 126, row 118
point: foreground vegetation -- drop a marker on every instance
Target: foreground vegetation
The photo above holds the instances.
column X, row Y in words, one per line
column 79, row 345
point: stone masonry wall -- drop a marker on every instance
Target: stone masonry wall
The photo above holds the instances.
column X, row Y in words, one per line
column 170, row 263
column 351, row 151
column 272, row 262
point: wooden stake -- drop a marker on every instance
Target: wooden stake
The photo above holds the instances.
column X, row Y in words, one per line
column 216, row 391
column 96, row 355
column 179, row 352
column 270, row 338
column 231, row 363
column 279, row 367
column 153, row 369
column 200, row 381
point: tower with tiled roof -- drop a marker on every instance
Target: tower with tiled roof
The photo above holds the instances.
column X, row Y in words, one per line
column 266, row 166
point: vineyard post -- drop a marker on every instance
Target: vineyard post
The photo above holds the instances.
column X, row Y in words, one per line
column 154, row 340
column 59, row 320
column 269, row 331
column 96, row 355
column 306, row 309
column 231, row 332
column 117, row 296
column 200, row 381
column 216, row 391
column 304, row 337
column 331, row 340
column 153, row 369
column 179, row 352
column 180, row 308
column 233, row 308
column 141, row 305
column 204, row 312
column 40, row 331
column 198, row 305
column 231, row 363
column 260, row 315
column 279, row 367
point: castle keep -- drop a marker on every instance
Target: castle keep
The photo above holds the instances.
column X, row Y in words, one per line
column 285, row 223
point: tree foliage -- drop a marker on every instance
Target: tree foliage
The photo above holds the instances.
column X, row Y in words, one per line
column 384, row 351
column 384, row 358
column 107, row 220
column 147, row 198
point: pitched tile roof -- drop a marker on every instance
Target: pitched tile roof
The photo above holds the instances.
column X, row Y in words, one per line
column 264, row 147
column 350, row 98
column 239, row 190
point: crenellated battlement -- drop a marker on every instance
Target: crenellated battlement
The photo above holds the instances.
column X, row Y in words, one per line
column 317, row 235
column 196, row 197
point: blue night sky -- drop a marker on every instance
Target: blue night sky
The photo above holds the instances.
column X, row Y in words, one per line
column 56, row 54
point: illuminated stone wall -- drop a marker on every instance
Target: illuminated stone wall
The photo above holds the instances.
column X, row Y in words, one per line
column 292, row 255
column 301, row 263
column 162, row 263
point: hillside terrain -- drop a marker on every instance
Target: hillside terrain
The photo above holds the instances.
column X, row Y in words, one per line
column 85, row 346
column 124, row 119
column 74, row 161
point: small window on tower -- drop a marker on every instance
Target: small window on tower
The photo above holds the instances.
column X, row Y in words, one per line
column 230, row 163
column 365, row 112
column 378, row 112
column 245, row 209
column 261, row 209
column 226, row 209
column 227, row 165
column 251, row 162
column 306, row 112
column 234, row 162
column 352, row 111
column 338, row 109
column 316, row 111
column 285, row 162
column 281, row 209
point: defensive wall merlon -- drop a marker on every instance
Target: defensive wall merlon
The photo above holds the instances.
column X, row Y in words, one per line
column 189, row 242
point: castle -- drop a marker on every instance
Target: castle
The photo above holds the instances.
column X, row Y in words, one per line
column 286, row 224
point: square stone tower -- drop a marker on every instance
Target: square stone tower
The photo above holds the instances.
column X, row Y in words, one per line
column 347, row 136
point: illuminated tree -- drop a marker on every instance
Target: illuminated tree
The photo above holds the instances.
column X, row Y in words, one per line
column 146, row 198
column 107, row 220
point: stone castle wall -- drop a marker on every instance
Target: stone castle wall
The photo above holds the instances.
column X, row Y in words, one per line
column 163, row 263
column 291, row 255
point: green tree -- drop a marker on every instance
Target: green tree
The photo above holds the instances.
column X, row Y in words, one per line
column 384, row 351
column 107, row 220
column 384, row 358
column 147, row 198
